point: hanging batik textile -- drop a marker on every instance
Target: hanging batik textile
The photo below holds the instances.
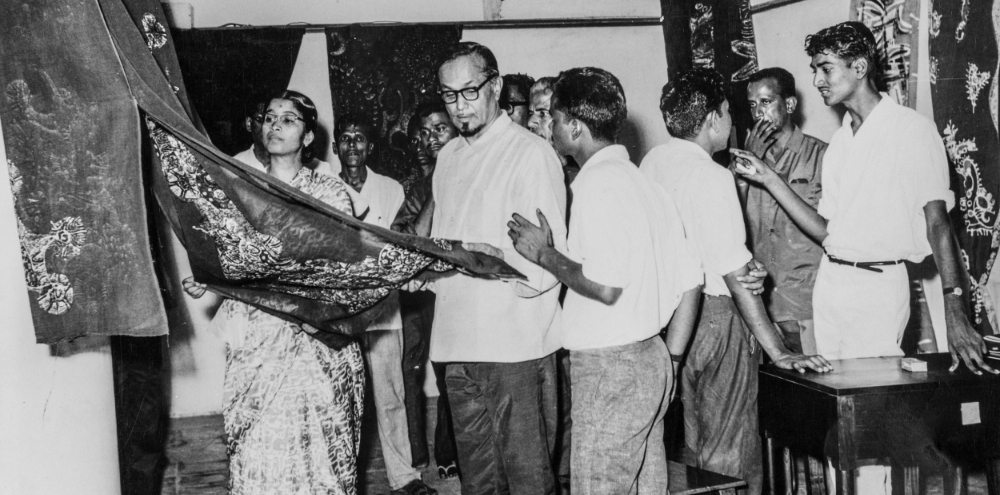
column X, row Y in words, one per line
column 963, row 75
column 381, row 74
column 83, row 85
column 893, row 22
column 714, row 34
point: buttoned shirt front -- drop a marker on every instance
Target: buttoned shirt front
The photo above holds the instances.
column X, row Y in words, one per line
column 877, row 181
column 384, row 197
column 477, row 187
column 791, row 256
column 626, row 233
column 705, row 195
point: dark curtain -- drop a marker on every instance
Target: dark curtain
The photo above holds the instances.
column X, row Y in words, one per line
column 227, row 70
column 963, row 61
column 83, row 99
column 381, row 74
column 714, row 34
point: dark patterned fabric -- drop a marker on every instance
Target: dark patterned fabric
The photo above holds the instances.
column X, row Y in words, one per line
column 963, row 64
column 226, row 70
column 74, row 161
column 715, row 34
column 380, row 74
column 250, row 237
column 892, row 23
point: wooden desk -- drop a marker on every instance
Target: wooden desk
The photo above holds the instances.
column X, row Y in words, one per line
column 868, row 411
column 689, row 480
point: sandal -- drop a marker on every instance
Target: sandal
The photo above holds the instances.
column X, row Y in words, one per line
column 448, row 472
column 415, row 487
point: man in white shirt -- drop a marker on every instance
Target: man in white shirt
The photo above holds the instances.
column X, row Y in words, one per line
column 719, row 388
column 885, row 200
column 628, row 267
column 499, row 338
column 383, row 340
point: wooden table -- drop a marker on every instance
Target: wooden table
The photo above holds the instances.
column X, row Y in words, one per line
column 870, row 411
column 689, row 480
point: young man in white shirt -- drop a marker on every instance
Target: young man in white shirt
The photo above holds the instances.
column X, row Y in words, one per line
column 628, row 268
column 720, row 372
column 885, row 201
column 499, row 338
column 383, row 340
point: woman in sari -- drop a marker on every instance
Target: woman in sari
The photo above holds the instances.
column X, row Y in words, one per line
column 292, row 405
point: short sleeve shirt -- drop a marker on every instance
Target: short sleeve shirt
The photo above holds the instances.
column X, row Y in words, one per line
column 877, row 181
column 626, row 233
column 705, row 195
column 384, row 197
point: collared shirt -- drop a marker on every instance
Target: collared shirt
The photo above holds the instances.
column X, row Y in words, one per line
column 791, row 256
column 877, row 181
column 626, row 233
column 476, row 188
column 384, row 197
column 705, row 195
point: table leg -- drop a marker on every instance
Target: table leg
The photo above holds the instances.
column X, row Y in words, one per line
column 770, row 465
column 787, row 462
column 955, row 482
column 993, row 476
column 905, row 480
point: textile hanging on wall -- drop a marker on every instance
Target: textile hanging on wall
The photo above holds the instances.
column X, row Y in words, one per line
column 892, row 22
column 964, row 39
column 248, row 236
column 381, row 74
column 713, row 34
column 226, row 70
column 74, row 162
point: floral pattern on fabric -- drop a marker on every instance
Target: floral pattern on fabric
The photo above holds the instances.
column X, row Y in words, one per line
column 65, row 239
column 292, row 406
column 248, row 255
column 890, row 22
column 156, row 34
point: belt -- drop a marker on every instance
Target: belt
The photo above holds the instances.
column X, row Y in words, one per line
column 864, row 265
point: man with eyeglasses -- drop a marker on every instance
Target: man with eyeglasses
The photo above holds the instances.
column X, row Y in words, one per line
column 514, row 97
column 495, row 336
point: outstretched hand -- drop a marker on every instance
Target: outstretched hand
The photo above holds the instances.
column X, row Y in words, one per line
column 530, row 240
column 750, row 167
column 801, row 362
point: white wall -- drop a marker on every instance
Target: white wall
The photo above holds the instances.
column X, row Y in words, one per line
column 57, row 414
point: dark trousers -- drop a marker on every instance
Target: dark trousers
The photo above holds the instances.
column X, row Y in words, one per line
column 417, row 310
column 141, row 412
column 719, row 390
column 505, row 417
column 445, row 450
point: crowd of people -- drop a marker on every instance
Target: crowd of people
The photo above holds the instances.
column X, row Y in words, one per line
column 642, row 283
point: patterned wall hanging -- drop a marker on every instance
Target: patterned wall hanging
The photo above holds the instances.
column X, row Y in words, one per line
column 963, row 72
column 80, row 108
column 713, row 34
column 381, row 74
column 893, row 22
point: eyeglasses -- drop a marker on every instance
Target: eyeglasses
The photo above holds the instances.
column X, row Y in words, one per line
column 470, row 94
column 285, row 119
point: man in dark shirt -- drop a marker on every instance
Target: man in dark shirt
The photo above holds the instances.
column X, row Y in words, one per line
column 514, row 97
column 791, row 257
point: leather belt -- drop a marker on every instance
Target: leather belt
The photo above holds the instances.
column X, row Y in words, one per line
column 864, row 265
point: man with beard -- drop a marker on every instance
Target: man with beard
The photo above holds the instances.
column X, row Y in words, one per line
column 514, row 97
column 383, row 339
column 494, row 335
column 432, row 129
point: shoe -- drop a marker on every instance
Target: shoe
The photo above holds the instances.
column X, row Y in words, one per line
column 415, row 487
column 448, row 472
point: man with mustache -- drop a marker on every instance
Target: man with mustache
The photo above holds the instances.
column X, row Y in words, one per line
column 498, row 338
column 383, row 339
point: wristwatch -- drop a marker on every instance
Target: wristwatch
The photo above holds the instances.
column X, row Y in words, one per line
column 953, row 291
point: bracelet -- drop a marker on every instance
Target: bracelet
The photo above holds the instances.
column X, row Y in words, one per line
column 677, row 359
